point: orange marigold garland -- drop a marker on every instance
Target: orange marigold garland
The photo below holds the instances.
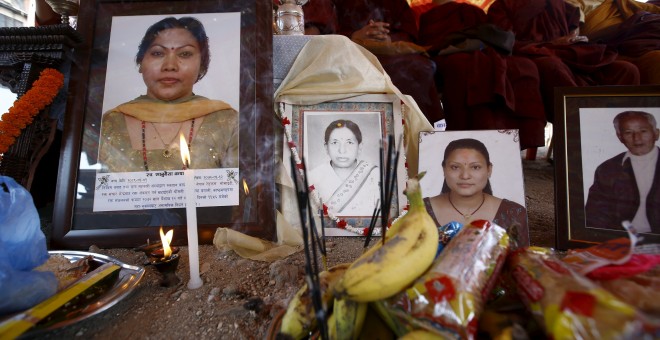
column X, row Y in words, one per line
column 20, row 115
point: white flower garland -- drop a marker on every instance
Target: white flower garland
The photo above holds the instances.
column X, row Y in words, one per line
column 316, row 198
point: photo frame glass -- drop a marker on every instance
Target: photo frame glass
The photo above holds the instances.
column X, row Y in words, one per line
column 113, row 197
column 152, row 193
column 586, row 139
column 506, row 179
column 354, row 129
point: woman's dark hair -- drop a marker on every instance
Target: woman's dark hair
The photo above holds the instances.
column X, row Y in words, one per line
column 472, row 144
column 340, row 123
column 193, row 26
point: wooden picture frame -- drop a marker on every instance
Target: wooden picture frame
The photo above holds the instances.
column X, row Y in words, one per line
column 75, row 225
column 584, row 138
column 377, row 116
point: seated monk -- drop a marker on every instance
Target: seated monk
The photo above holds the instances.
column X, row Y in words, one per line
column 388, row 29
column 632, row 28
column 483, row 86
column 546, row 32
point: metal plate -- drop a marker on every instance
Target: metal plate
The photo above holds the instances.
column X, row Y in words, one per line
column 128, row 279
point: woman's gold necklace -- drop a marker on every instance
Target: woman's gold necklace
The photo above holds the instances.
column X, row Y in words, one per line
column 467, row 216
column 167, row 153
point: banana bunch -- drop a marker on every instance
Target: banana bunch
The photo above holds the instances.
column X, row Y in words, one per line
column 347, row 318
column 408, row 251
column 300, row 319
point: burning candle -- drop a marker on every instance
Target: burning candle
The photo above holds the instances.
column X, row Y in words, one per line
column 154, row 250
column 166, row 239
column 247, row 207
column 165, row 260
column 158, row 253
column 191, row 217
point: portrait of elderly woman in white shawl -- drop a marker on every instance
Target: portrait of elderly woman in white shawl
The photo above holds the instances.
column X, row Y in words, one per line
column 347, row 184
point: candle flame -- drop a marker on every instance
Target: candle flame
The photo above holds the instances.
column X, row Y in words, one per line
column 245, row 187
column 185, row 153
column 166, row 239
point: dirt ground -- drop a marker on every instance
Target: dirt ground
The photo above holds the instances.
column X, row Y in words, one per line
column 240, row 297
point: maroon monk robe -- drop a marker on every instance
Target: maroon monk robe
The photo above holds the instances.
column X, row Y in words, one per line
column 483, row 89
column 637, row 40
column 321, row 14
column 537, row 23
column 412, row 74
column 637, row 35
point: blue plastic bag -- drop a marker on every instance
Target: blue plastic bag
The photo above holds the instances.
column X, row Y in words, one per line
column 22, row 248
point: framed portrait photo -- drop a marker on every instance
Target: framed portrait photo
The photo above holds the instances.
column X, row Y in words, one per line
column 457, row 165
column 340, row 143
column 601, row 175
column 161, row 89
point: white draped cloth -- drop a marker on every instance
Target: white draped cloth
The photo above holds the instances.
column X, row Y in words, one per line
column 328, row 68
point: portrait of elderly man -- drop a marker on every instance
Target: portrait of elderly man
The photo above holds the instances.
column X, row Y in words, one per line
column 627, row 186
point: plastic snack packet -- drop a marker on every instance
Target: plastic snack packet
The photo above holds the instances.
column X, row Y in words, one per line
column 636, row 282
column 616, row 251
column 446, row 233
column 567, row 304
column 451, row 295
column 641, row 291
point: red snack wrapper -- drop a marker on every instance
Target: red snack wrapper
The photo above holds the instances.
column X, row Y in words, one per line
column 641, row 291
column 636, row 282
column 611, row 252
column 637, row 264
column 451, row 295
column 567, row 304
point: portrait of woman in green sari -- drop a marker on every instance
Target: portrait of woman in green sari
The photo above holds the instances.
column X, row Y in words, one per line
column 144, row 134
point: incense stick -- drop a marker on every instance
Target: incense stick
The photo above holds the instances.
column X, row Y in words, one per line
column 319, row 310
column 382, row 178
column 314, row 232
column 324, row 256
column 311, row 274
column 390, row 190
column 372, row 226
column 315, row 239
column 384, row 208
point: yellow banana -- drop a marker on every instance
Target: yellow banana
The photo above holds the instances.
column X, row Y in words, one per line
column 348, row 318
column 409, row 250
column 421, row 334
column 378, row 257
column 332, row 330
column 300, row 319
